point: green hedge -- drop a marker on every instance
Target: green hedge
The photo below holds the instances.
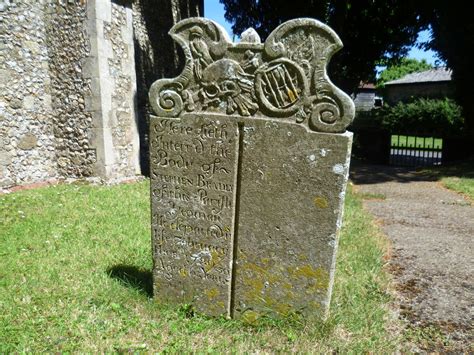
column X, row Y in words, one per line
column 424, row 116
column 433, row 117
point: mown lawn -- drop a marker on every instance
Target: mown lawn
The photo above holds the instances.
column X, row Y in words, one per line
column 457, row 176
column 75, row 275
column 464, row 185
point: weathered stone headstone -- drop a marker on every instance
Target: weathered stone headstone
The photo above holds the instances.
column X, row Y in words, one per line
column 249, row 165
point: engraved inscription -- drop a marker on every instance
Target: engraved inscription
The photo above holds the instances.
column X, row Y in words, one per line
column 192, row 189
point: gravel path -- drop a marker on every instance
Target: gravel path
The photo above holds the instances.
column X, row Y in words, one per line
column 431, row 230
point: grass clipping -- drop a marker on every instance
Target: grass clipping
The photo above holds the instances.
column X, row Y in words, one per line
column 75, row 276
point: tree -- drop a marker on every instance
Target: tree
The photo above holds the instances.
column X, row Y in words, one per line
column 372, row 31
column 404, row 67
column 452, row 30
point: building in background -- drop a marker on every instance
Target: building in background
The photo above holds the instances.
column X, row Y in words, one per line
column 433, row 83
column 366, row 97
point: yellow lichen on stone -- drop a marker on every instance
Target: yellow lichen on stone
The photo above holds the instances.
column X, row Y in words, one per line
column 254, row 281
column 213, row 261
column 254, row 267
column 303, row 257
column 282, row 308
column 256, row 285
column 258, row 280
column 321, row 202
column 306, row 271
column 212, row 293
column 241, row 255
column 250, row 317
column 276, row 306
column 319, row 276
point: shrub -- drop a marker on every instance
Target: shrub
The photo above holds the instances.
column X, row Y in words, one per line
column 439, row 117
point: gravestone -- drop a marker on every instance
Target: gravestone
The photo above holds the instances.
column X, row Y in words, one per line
column 249, row 159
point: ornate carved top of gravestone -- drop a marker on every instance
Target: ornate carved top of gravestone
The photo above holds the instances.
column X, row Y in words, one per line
column 285, row 77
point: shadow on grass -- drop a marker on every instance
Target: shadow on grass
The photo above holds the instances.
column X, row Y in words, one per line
column 364, row 173
column 133, row 277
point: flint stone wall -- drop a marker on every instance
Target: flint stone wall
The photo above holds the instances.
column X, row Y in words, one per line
column 68, row 46
column 249, row 165
column 68, row 83
column 27, row 139
column 52, row 126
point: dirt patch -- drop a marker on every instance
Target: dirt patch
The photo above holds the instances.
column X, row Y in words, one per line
column 431, row 230
column 31, row 186
column 91, row 180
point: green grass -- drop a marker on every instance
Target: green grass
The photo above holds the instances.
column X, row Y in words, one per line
column 463, row 185
column 416, row 142
column 458, row 177
column 75, row 267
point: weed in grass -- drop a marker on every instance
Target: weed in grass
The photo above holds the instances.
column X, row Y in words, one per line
column 427, row 338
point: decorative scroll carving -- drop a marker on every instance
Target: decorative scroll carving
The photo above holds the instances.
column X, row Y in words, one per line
column 283, row 78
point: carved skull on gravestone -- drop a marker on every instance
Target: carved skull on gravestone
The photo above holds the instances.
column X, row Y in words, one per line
column 225, row 82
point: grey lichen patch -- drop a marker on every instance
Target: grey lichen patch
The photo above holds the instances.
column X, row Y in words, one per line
column 338, row 169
